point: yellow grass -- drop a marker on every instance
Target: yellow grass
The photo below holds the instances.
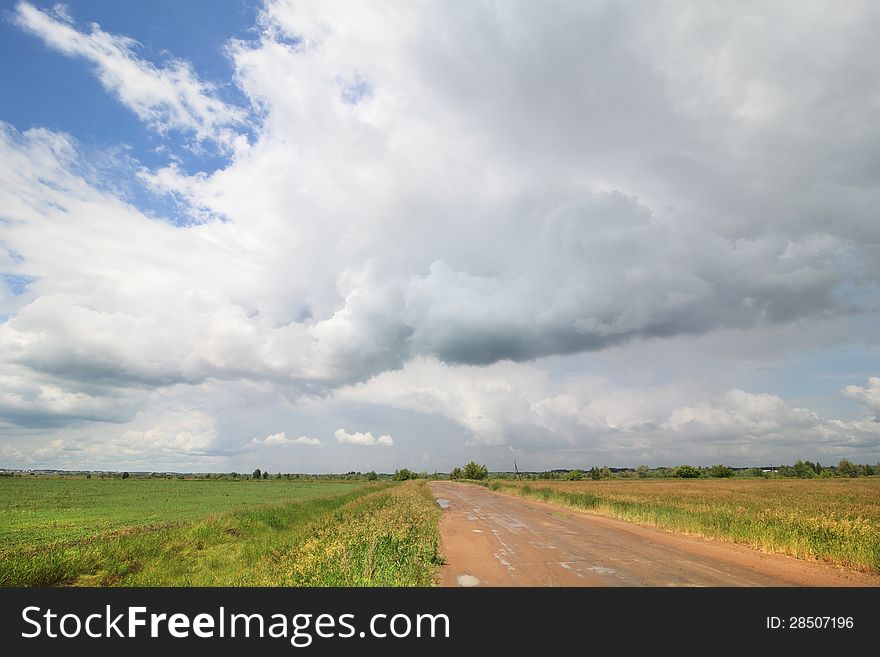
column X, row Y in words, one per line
column 388, row 538
column 834, row 520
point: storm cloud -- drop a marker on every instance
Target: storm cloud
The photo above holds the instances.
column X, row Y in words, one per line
column 479, row 185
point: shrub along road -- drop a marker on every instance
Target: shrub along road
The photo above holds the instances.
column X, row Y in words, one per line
column 493, row 539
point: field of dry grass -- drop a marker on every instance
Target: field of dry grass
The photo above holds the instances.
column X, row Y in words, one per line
column 834, row 520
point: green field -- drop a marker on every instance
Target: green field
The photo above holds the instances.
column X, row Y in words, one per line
column 158, row 532
column 833, row 520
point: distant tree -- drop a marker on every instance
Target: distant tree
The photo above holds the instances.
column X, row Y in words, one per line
column 234, row 475
column 125, row 475
column 643, row 471
column 265, row 474
column 574, row 475
column 456, row 473
column 605, row 472
column 720, row 471
column 474, row 470
column 88, row 476
column 372, row 476
column 803, row 470
column 595, row 474
column 686, row 472
column 847, row 468
column 403, row 474
column 257, row 474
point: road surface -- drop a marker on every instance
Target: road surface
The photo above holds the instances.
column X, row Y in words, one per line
column 493, row 539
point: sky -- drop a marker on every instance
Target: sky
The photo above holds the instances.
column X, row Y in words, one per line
column 326, row 236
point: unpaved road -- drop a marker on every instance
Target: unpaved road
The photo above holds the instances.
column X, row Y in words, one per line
column 493, row 539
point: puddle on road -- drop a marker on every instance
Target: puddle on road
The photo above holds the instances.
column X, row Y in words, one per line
column 468, row 580
column 444, row 503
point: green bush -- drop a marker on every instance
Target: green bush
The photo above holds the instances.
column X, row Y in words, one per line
column 600, row 473
column 403, row 474
column 847, row 468
column 686, row 472
column 474, row 470
column 720, row 471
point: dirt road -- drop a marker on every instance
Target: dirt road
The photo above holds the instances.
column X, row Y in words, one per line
column 493, row 539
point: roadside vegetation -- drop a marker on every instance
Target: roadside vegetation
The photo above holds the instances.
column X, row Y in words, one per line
column 473, row 471
column 833, row 519
column 387, row 538
column 800, row 470
column 161, row 532
column 366, row 529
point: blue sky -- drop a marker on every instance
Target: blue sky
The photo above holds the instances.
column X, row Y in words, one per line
column 334, row 237
column 62, row 94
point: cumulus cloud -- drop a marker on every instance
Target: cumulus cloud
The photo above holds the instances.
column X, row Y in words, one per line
column 224, row 300
column 166, row 97
column 281, row 440
column 508, row 255
column 365, row 439
column 425, row 218
column 868, row 395
column 175, row 433
column 521, row 408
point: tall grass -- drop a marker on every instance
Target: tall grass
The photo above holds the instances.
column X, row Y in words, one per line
column 837, row 521
column 388, row 538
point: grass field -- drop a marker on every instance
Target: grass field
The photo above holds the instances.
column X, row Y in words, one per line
column 833, row 520
column 161, row 532
column 40, row 511
column 383, row 539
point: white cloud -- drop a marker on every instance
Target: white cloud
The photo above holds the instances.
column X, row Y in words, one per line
column 681, row 185
column 365, row 439
column 868, row 395
column 281, row 440
column 174, row 432
column 520, row 407
column 11, row 453
column 349, row 260
column 167, row 97
column 49, row 450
